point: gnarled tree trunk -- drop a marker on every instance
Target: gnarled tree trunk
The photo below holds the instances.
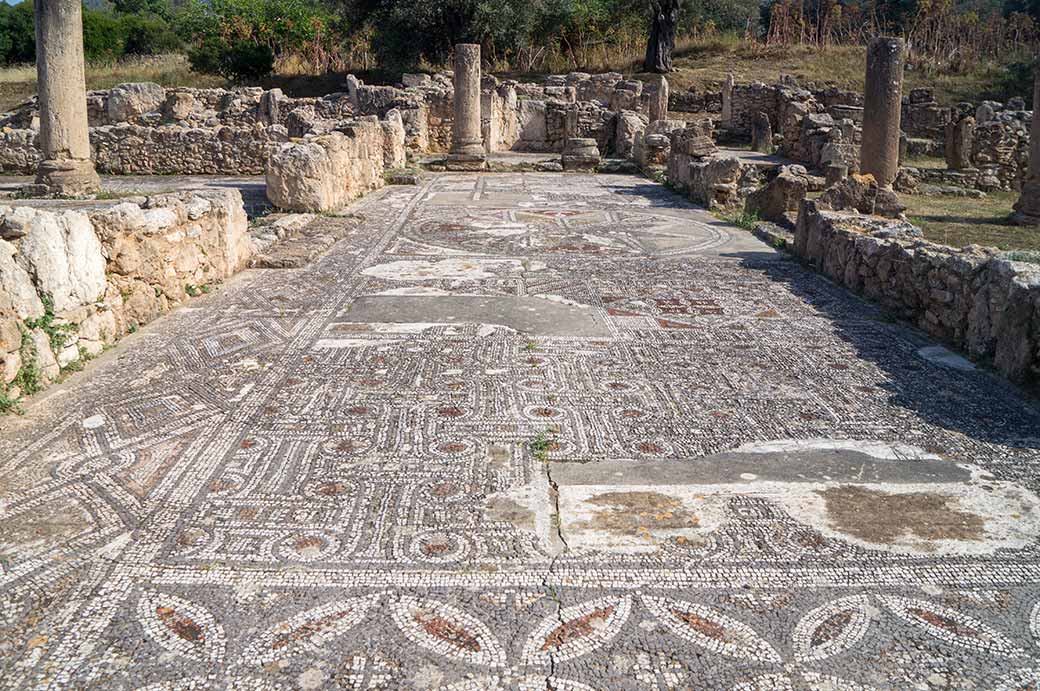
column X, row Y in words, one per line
column 663, row 24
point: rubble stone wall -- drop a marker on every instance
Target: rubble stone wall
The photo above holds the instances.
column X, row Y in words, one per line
column 1000, row 150
column 73, row 282
column 143, row 128
column 745, row 101
column 970, row 298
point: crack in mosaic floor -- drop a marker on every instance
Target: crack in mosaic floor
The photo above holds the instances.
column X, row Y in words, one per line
column 525, row 431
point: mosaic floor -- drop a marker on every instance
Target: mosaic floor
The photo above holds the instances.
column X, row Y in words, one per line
column 524, row 432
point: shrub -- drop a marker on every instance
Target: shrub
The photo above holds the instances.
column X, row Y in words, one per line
column 107, row 35
column 104, row 36
column 241, row 39
column 149, row 35
column 17, row 33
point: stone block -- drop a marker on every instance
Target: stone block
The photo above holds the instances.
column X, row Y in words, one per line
column 63, row 255
column 127, row 102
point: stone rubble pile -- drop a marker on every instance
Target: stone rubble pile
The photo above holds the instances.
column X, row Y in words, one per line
column 696, row 168
column 75, row 281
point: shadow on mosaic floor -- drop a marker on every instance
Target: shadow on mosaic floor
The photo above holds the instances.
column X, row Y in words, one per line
column 978, row 404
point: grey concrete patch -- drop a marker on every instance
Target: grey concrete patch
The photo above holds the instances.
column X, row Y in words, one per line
column 528, row 315
column 945, row 357
column 735, row 468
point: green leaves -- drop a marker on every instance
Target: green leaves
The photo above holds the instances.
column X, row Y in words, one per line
column 242, row 39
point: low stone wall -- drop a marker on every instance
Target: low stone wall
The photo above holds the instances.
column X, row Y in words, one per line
column 143, row 128
column 695, row 101
column 324, row 172
column 970, row 298
column 129, row 149
column 740, row 103
column 19, row 151
column 73, row 282
column 146, row 129
column 923, row 117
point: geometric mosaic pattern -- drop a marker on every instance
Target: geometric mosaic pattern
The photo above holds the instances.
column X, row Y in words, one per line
column 387, row 471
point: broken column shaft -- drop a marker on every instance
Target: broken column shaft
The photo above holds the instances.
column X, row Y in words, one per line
column 467, row 145
column 1027, row 208
column 882, row 106
column 659, row 99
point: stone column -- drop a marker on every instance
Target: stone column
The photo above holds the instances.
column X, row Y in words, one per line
column 66, row 167
column 1027, row 209
column 659, row 99
column 761, row 133
column 960, row 137
column 352, row 90
column 579, row 153
column 882, row 106
column 467, row 146
column 727, row 102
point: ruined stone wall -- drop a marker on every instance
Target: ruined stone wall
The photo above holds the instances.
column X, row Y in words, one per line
column 744, row 101
column 1000, row 150
column 19, row 151
column 325, row 171
column 922, row 117
column 129, row 149
column 970, row 298
column 500, row 124
column 695, row 168
column 73, row 282
column 225, row 150
column 143, row 128
column 695, row 101
column 146, row 129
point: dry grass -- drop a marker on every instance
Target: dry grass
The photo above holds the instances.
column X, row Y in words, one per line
column 702, row 62
column 962, row 221
column 18, row 82
column 705, row 62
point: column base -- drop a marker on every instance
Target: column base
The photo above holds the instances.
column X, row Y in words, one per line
column 73, row 177
column 1027, row 208
column 581, row 155
column 1019, row 218
column 467, row 163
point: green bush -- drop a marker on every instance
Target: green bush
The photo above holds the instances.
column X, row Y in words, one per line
column 17, row 33
column 241, row 39
column 149, row 34
column 104, row 36
column 107, row 34
column 239, row 62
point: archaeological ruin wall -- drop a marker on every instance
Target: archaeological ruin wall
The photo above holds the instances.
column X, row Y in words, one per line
column 971, row 298
column 75, row 281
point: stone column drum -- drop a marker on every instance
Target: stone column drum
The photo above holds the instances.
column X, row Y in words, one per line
column 467, row 145
column 659, row 99
column 761, row 133
column 66, row 167
column 1027, row 208
column 882, row 105
column 727, row 102
column 960, row 134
